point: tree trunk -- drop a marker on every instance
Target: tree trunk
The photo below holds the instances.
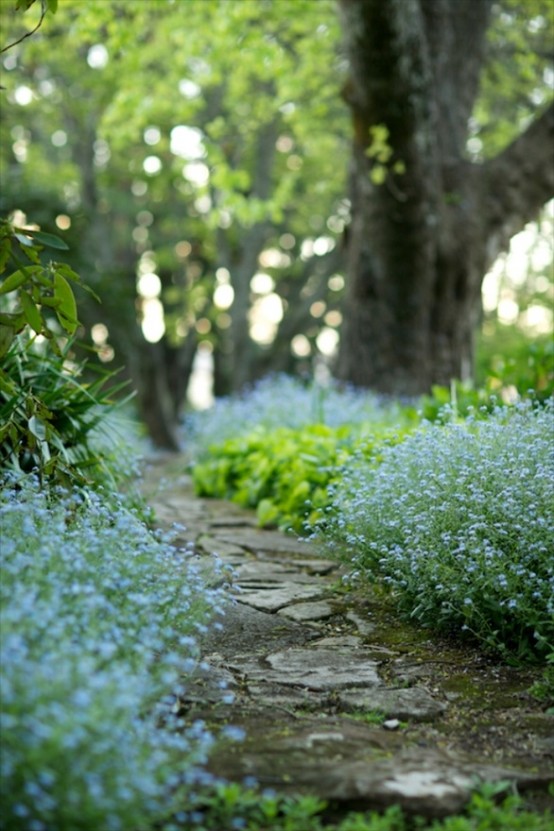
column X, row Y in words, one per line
column 420, row 242
column 236, row 358
column 164, row 376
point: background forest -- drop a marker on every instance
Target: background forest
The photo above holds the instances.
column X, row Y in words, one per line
column 196, row 157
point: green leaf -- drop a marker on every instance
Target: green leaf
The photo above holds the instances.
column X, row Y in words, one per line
column 37, row 428
column 52, row 6
column 378, row 174
column 32, row 314
column 48, row 240
column 32, row 254
column 5, row 251
column 13, row 281
column 7, row 335
column 66, row 271
column 267, row 513
column 15, row 321
column 51, row 302
column 67, row 310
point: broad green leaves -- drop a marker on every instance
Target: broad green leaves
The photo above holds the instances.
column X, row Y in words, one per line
column 285, row 473
column 38, row 289
column 66, row 308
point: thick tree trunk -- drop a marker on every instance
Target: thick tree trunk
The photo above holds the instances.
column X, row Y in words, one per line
column 164, row 376
column 419, row 244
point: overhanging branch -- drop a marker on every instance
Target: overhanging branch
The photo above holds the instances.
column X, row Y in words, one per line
column 43, row 10
column 518, row 182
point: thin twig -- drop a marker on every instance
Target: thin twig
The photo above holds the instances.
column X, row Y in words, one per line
column 27, row 34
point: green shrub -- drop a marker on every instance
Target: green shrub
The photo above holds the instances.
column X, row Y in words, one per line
column 457, row 401
column 510, row 368
column 285, row 473
column 458, row 522
column 507, row 359
column 49, row 416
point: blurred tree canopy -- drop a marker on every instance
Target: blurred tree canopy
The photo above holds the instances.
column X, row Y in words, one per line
column 195, row 155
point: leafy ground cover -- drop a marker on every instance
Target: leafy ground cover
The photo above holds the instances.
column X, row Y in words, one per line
column 231, row 807
column 285, row 473
column 279, row 445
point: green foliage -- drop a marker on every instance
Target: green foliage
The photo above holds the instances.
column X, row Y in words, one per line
column 232, row 806
column 380, row 153
column 508, row 360
column 459, row 401
column 25, row 5
column 485, row 814
column 50, row 5
column 263, row 165
column 285, row 473
column 49, row 416
column 512, row 368
column 32, row 292
column 516, row 78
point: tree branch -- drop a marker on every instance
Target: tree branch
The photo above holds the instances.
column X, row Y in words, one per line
column 27, row 34
column 518, row 182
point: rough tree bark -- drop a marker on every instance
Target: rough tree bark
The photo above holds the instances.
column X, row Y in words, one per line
column 419, row 244
column 164, row 375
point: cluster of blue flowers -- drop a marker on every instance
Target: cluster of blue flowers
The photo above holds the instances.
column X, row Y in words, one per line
column 285, row 401
column 458, row 521
column 98, row 628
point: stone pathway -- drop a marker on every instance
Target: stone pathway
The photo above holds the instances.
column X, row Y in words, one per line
column 335, row 695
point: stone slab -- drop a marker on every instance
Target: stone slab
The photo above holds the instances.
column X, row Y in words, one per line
column 269, row 574
column 308, row 611
column 363, row 625
column 323, row 669
column 269, row 541
column 271, row 600
column 340, row 642
column 316, row 566
column 414, row 703
column 245, row 630
column 217, row 547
